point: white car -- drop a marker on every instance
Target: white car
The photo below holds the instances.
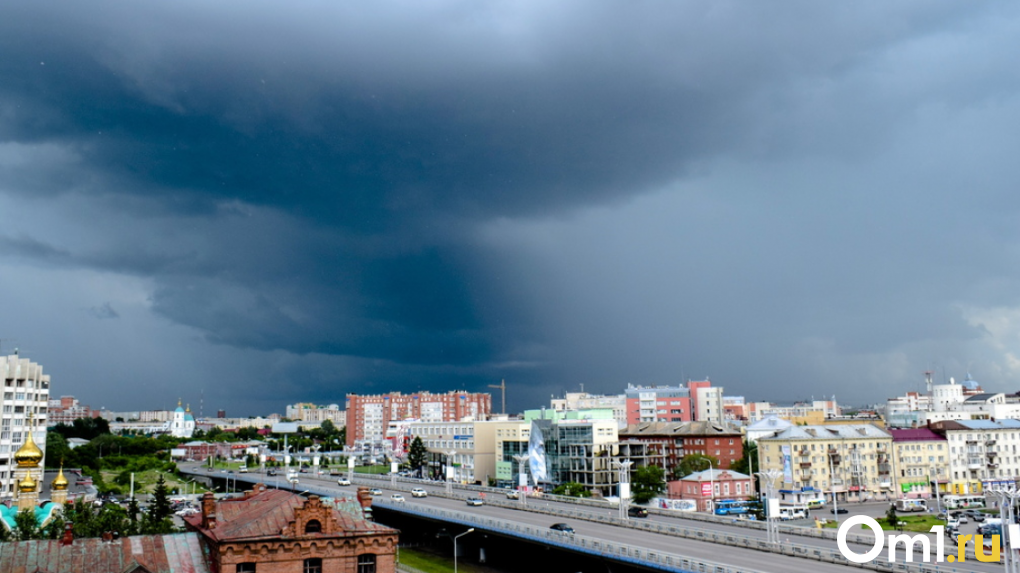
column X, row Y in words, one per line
column 419, row 492
column 343, row 481
column 397, row 498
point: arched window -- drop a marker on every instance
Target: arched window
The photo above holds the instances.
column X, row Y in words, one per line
column 366, row 563
column 313, row 526
column 313, row 565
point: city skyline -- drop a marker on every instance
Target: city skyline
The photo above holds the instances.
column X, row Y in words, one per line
column 267, row 203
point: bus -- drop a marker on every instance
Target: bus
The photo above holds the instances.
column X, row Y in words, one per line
column 815, row 503
column 787, row 512
column 911, row 505
column 733, row 507
column 963, row 501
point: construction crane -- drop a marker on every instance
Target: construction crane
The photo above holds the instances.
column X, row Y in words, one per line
column 502, row 387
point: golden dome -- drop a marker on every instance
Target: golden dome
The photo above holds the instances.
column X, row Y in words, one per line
column 60, row 482
column 26, row 485
column 29, row 455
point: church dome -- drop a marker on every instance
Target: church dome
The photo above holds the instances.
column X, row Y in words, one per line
column 26, row 485
column 28, row 455
column 59, row 482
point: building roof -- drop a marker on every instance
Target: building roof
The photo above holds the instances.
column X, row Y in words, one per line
column 678, row 429
column 981, row 424
column 172, row 553
column 837, row 432
column 770, row 423
column 915, row 435
column 713, row 474
column 267, row 513
column 984, row 397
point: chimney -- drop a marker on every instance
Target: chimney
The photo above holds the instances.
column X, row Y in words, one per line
column 68, row 538
column 364, row 498
column 208, row 511
column 107, row 536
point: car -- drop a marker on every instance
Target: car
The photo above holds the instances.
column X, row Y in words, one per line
column 975, row 515
column 513, row 494
column 475, row 501
column 839, row 510
column 637, row 512
column 271, row 472
column 343, row 481
column 397, row 498
column 419, row 492
column 374, row 492
column 563, row 527
column 243, row 469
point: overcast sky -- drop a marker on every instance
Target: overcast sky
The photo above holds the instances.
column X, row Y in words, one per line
column 261, row 203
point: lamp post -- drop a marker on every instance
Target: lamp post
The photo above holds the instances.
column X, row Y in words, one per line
column 455, row 538
column 935, row 480
column 1007, row 496
column 623, row 484
column 449, row 471
column 832, row 480
column 711, row 477
column 768, row 478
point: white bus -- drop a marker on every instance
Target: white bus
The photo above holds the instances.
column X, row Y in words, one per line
column 963, row 501
column 911, row 505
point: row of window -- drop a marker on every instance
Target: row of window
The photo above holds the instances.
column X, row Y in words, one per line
column 366, row 564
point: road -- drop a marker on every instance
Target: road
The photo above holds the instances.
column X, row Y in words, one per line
column 735, row 556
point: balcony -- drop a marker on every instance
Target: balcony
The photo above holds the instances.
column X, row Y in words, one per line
column 804, row 465
column 974, row 466
column 989, row 442
column 833, row 452
column 972, row 441
column 805, row 453
column 992, row 465
column 991, row 454
column 885, row 485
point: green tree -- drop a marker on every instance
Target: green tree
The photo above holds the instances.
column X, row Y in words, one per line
column 692, row 463
column 572, row 489
column 25, row 526
column 890, row 516
column 57, row 449
column 647, row 482
column 416, row 455
column 328, row 428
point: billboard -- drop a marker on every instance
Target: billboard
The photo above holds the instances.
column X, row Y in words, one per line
column 536, row 455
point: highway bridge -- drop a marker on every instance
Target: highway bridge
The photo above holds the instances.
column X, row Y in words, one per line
column 666, row 541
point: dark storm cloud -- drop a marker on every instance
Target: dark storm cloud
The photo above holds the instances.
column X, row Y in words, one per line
column 316, row 178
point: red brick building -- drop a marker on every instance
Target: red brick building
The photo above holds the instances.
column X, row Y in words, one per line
column 139, row 554
column 711, row 486
column 369, row 416
column 677, row 439
column 275, row 531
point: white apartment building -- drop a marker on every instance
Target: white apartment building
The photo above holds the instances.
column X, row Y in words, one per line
column 585, row 401
column 308, row 412
column 709, row 404
column 26, row 391
column 982, row 453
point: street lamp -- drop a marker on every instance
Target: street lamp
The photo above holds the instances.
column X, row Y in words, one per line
column 711, row 478
column 1007, row 496
column 935, row 478
column 455, row 538
column 768, row 478
column 522, row 481
column 623, row 484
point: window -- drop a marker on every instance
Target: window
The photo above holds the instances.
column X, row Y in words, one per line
column 366, row 563
column 313, row 526
column 245, row 568
column 314, row 565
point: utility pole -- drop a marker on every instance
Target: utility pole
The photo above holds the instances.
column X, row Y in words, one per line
column 502, row 388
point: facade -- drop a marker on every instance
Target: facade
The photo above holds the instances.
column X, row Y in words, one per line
column 276, row 531
column 982, row 453
column 803, row 413
column 709, row 486
column 182, row 424
column 707, row 401
column 308, row 412
column 580, row 451
column 674, row 440
column 658, row 404
column 26, row 394
column 368, row 417
column 920, row 456
column 851, row 461
column 66, row 410
column 585, row 401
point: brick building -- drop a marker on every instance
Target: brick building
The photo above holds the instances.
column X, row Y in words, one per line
column 674, row 440
column 276, row 531
column 369, row 416
column 709, row 486
column 66, row 410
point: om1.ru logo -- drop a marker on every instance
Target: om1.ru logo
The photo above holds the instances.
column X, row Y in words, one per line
column 920, row 540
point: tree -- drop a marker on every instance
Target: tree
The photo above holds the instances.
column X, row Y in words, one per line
column 692, row 463
column 416, row 455
column 25, row 526
column 157, row 520
column 647, row 482
column 890, row 516
column 572, row 489
column 328, row 428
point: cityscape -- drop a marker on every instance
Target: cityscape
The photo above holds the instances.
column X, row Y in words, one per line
column 490, row 287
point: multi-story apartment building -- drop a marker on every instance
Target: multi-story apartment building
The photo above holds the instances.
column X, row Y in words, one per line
column 474, row 449
column 658, row 404
column 920, row 457
column 982, row 453
column 585, row 401
column 368, row 417
column 674, row 440
column 26, row 395
column 308, row 412
column 66, row 410
column 580, row 451
column 852, row 461
column 804, row 413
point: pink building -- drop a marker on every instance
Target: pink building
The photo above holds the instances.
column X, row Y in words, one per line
column 712, row 485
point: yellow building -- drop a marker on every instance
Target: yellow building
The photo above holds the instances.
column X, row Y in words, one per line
column 920, row 456
column 853, row 461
